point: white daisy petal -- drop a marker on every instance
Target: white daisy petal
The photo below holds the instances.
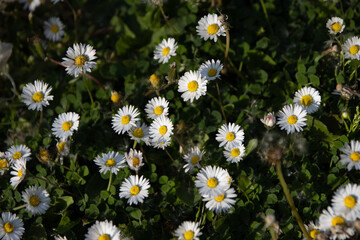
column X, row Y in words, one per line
column 192, row 85
column 209, row 27
column 36, row 95
column 17, row 152
column 230, row 135
column 161, row 127
column 329, row 221
column 135, row 189
column 65, row 124
column 193, row 159
column 221, row 202
column 4, row 163
column 31, row 5
column 234, row 153
column 351, row 48
column 104, row 230
column 37, row 200
column 292, row 118
column 346, row 200
column 212, row 181
column 134, row 159
column 54, row 29
column 211, row 69
column 309, row 98
column 79, row 59
column 188, row 231
column 19, row 172
column 125, row 119
column 157, row 107
column 335, row 25
column 140, row 133
column 351, row 155
column 165, row 50
column 111, row 161
column 11, row 227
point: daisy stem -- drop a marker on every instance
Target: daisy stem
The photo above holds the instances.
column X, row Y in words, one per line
column 75, row 19
column 169, row 155
column 134, row 146
column 142, row 150
column 41, row 118
column 356, row 67
column 19, row 207
column 167, row 21
column 87, row 88
column 272, row 233
column 290, row 200
column 110, row 181
column 227, row 43
column 266, row 16
column 220, row 102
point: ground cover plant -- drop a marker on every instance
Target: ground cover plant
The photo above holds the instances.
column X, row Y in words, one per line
column 179, row 119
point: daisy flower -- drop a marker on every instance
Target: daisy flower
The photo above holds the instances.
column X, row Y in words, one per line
column 30, row 4
column 193, row 158
column 269, row 120
column 37, row 200
column 104, row 230
column 309, row 98
column 63, row 148
column 58, row 237
column 234, row 153
column 19, row 172
column 125, row 119
column 192, row 85
column 157, row 107
column 135, row 189
column 346, row 201
column 56, row 1
column 312, row 229
column 188, row 231
column 16, row 152
column 351, row 155
column 221, row 202
column 115, row 97
column 211, row 69
column 4, row 163
column 54, row 29
column 140, row 133
column 161, row 143
column 65, row 124
column 210, row 27
column 351, row 48
column 134, row 159
column 111, row 161
column 292, row 118
column 330, row 222
column 161, row 127
column 11, row 227
column 36, row 95
column 79, row 59
column 212, row 181
column 335, row 25
column 165, row 49
column 230, row 135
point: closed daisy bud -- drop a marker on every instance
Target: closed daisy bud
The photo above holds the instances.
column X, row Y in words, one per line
column 4, row 163
column 155, row 81
column 115, row 97
column 44, row 156
column 269, row 120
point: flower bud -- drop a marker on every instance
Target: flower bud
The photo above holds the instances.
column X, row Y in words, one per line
column 155, row 81
column 115, row 97
column 269, row 120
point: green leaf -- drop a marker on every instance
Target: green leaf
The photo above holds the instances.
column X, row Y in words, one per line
column 136, row 214
column 92, row 211
column 251, row 146
column 301, row 68
column 62, row 203
column 314, row 80
column 271, row 199
column 163, row 179
column 301, row 79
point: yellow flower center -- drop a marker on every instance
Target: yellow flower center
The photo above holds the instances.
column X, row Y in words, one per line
column 313, row 233
column 125, row 119
column 158, row 110
column 110, row 162
column 8, row 227
column 154, row 80
column 34, row 201
column 3, row 163
column 355, row 156
column 138, row 133
column 337, row 221
column 165, row 51
column 354, row 49
column 134, row 190
column 306, row 100
column 61, row 146
column 135, row 161
column 212, row 29
column 20, row 173
column 336, row 27
column 235, row 152
column 212, row 72
column 220, row 198
column 163, row 130
column 80, row 61
column 193, row 86
column 54, row 28
column 104, row 237
column 38, row 97
column 194, row 159
column 230, row 136
column 188, row 235
column 350, row 201
column 292, row 119
column 229, row 180
column 212, row 182
column 17, row 155
column 67, row 125
column 115, row 97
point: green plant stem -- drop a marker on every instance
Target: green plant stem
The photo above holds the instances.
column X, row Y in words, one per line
column 19, row 207
column 272, row 233
column 41, row 118
column 134, row 146
column 169, row 155
column 167, row 21
column 356, row 67
column 75, row 19
column 110, row 181
column 266, row 16
column 227, row 43
column 88, row 90
column 220, row 102
column 290, row 200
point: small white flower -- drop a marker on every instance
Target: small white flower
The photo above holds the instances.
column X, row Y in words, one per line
column 269, row 120
column 30, row 4
column 331, row 222
column 36, row 95
column 351, row 155
column 212, row 181
column 125, row 119
column 309, row 98
column 351, row 48
column 193, row 158
column 134, row 159
column 37, row 200
column 335, row 25
column 234, row 153
column 157, row 107
column 58, row 237
column 111, row 161
column 4, row 163
column 65, row 125
column 188, row 231
column 192, row 85
column 346, row 201
column 211, row 69
column 210, row 27
column 54, row 29
column 161, row 127
column 140, row 133
column 19, row 172
column 63, row 148
column 16, row 152
column 135, row 189
column 230, row 135
column 292, row 118
column 165, row 50
column 104, row 230
column 161, row 143
column 11, row 227
column 312, row 229
column 79, row 59
column 222, row 202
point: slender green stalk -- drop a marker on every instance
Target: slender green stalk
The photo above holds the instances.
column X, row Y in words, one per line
column 110, row 181
column 134, row 146
column 172, row 159
column 356, row 67
column 167, row 21
column 75, row 19
column 290, row 200
column 266, row 16
column 88, row 90
column 272, row 233
column 41, row 118
column 220, row 102
column 227, row 42
column 19, row 207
